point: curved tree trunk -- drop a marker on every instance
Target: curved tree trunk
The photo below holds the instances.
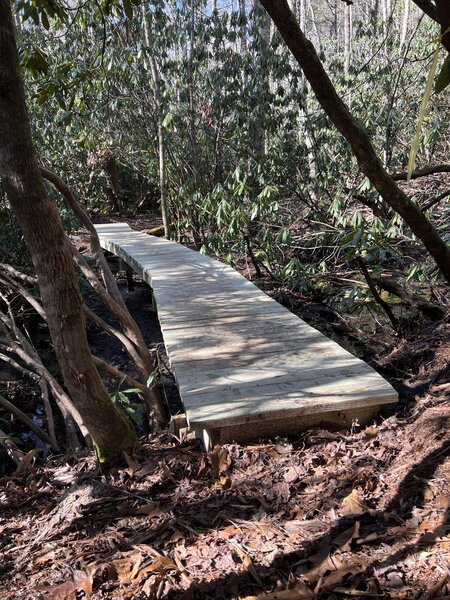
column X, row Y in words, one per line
column 356, row 136
column 44, row 234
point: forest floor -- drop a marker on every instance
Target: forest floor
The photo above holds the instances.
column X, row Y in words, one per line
column 331, row 514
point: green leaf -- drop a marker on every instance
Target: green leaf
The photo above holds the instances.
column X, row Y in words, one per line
column 65, row 118
column 152, row 378
column 167, row 122
column 443, row 79
column 128, row 8
column 44, row 20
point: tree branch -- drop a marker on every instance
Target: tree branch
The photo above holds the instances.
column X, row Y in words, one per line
column 402, row 175
column 10, row 407
column 428, row 8
column 357, row 137
column 434, row 201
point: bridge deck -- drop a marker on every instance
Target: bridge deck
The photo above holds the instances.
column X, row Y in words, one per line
column 245, row 365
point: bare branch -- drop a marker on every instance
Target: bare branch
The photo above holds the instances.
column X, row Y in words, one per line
column 429, row 8
column 10, row 407
column 402, row 175
column 434, row 201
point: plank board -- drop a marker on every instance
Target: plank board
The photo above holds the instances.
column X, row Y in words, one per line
column 239, row 357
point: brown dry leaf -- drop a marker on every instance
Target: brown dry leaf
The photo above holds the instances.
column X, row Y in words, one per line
column 126, row 568
column 293, row 474
column 151, row 510
column 322, row 561
column 27, row 461
column 370, row 432
column 84, row 580
column 59, row 592
column 48, row 556
column 161, row 566
column 203, row 469
column 247, row 562
column 48, row 509
column 352, row 505
column 230, row 531
column 133, row 466
column 298, row 591
column 336, row 577
column 437, row 517
column 80, row 581
column 345, row 538
column 225, row 482
column 219, row 459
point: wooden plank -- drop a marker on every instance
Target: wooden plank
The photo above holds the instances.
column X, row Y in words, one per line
column 279, row 326
column 186, row 315
column 321, row 382
column 258, row 321
column 258, row 376
column 294, row 358
column 281, row 404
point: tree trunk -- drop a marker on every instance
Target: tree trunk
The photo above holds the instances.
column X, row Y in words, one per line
column 405, row 20
column 347, row 36
column 443, row 11
column 160, row 129
column 356, row 136
column 114, row 191
column 39, row 220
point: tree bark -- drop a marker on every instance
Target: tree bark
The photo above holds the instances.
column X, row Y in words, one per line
column 44, row 234
column 443, row 11
column 356, row 136
column 114, row 190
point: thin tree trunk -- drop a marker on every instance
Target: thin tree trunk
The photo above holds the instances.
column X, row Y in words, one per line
column 190, row 6
column 44, row 234
column 114, row 190
column 443, row 11
column 160, row 129
column 405, row 20
column 347, row 36
column 356, row 136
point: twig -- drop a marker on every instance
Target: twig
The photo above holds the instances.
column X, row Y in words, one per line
column 434, row 589
column 11, row 448
column 376, row 295
column 431, row 203
column 10, row 407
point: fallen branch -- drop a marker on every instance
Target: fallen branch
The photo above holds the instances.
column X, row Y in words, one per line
column 113, row 332
column 115, row 372
column 27, row 354
column 402, row 175
column 434, row 201
column 433, row 311
column 12, row 272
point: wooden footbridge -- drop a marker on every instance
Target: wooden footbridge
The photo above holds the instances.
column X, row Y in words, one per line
column 246, row 366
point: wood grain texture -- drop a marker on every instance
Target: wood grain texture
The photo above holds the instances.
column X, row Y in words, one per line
column 240, row 358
